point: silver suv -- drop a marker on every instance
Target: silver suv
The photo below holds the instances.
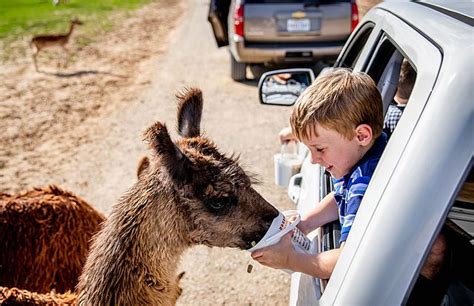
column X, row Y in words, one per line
column 269, row 32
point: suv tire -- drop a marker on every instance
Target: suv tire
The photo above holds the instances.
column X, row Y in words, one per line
column 237, row 70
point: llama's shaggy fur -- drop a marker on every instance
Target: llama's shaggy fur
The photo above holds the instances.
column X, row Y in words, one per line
column 17, row 297
column 188, row 193
column 44, row 239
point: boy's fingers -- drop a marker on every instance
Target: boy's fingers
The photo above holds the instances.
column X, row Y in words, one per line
column 292, row 218
column 256, row 254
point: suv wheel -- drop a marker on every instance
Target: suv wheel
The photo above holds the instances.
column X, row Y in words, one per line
column 237, row 70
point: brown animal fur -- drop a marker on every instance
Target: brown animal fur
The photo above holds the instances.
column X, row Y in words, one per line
column 143, row 164
column 44, row 238
column 17, row 297
column 189, row 194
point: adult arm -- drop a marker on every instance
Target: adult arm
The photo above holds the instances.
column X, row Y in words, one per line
column 286, row 135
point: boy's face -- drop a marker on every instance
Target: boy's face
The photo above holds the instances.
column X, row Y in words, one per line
column 336, row 153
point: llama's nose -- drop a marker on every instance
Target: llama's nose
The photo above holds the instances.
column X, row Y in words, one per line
column 270, row 214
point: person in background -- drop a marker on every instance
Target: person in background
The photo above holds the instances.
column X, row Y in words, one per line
column 406, row 81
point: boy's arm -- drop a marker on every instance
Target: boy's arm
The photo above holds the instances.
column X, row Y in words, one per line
column 283, row 256
column 318, row 265
column 324, row 212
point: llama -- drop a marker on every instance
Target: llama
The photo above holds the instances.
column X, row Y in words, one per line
column 44, row 238
column 189, row 194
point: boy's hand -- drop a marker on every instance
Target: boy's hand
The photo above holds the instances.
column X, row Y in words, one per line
column 304, row 226
column 286, row 135
column 276, row 256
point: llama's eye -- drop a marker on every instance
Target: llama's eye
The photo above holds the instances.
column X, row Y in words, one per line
column 218, row 204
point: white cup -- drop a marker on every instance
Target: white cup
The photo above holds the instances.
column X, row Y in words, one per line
column 281, row 226
column 285, row 167
column 287, row 163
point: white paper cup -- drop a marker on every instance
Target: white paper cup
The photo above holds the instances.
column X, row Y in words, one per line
column 279, row 228
column 286, row 165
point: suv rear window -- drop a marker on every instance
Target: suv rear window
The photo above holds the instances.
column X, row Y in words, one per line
column 297, row 2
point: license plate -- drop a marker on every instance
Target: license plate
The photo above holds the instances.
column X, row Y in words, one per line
column 298, row 25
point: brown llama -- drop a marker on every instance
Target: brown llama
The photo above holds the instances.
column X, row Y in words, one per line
column 44, row 238
column 187, row 193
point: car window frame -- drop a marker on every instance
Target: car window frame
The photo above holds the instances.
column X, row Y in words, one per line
column 356, row 45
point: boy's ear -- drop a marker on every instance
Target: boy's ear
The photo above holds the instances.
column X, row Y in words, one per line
column 175, row 162
column 363, row 134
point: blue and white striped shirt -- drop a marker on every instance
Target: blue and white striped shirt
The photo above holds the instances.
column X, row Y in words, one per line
column 350, row 189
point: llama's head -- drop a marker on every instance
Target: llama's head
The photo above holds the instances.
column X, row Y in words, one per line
column 214, row 194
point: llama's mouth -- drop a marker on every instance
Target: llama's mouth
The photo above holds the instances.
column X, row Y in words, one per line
column 250, row 240
column 243, row 245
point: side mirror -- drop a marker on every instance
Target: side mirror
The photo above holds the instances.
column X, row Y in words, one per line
column 283, row 87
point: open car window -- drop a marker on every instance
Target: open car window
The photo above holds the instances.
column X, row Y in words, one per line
column 446, row 272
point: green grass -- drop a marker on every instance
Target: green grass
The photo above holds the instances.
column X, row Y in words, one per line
column 32, row 17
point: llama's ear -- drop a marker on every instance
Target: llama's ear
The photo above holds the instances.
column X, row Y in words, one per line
column 171, row 157
column 143, row 165
column 189, row 112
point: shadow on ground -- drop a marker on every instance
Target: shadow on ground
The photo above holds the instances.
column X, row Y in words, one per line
column 81, row 73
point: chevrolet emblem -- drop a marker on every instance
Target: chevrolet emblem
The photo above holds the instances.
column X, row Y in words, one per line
column 298, row 14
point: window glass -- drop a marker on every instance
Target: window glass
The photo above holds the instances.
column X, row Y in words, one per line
column 395, row 77
column 355, row 49
column 446, row 275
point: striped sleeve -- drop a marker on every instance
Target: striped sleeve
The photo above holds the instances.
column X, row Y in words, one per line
column 356, row 192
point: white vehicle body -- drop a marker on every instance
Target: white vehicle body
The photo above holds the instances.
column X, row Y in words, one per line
column 427, row 160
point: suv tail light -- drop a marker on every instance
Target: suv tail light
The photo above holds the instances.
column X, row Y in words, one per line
column 354, row 16
column 239, row 20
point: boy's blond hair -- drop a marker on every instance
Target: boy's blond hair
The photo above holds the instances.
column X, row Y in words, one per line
column 339, row 100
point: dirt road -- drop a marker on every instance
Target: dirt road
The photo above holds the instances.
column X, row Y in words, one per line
column 81, row 127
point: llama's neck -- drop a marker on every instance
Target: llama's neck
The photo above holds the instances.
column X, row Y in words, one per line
column 137, row 251
column 148, row 227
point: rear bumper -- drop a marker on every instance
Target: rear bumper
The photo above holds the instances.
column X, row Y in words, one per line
column 283, row 52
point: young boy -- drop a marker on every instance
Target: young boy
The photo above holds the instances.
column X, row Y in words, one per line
column 340, row 119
